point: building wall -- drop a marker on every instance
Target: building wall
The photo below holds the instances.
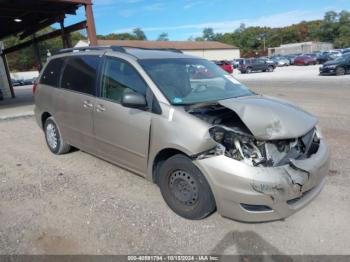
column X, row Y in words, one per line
column 24, row 75
column 220, row 54
column 296, row 48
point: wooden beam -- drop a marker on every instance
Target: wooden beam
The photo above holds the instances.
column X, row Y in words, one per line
column 83, row 2
column 31, row 30
column 91, row 29
column 6, row 9
column 56, row 33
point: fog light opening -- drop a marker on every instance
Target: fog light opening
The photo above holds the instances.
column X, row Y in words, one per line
column 256, row 208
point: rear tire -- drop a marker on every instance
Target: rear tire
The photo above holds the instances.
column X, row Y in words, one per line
column 340, row 71
column 54, row 139
column 185, row 189
column 270, row 68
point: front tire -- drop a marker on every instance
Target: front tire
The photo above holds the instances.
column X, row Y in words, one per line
column 340, row 71
column 185, row 189
column 54, row 138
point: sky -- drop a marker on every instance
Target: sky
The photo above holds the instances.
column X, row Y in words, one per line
column 182, row 19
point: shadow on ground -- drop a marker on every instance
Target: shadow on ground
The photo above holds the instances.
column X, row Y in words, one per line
column 249, row 243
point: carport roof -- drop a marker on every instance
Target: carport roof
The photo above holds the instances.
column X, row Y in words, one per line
column 26, row 17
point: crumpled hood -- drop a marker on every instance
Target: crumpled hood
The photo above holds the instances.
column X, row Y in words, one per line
column 270, row 118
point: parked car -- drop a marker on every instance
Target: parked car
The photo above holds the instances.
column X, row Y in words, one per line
column 208, row 143
column 339, row 66
column 235, row 62
column 335, row 53
column 305, row 60
column 280, row 60
column 346, row 51
column 255, row 64
column 291, row 58
column 324, row 57
column 17, row 82
column 29, row 81
column 225, row 65
column 268, row 61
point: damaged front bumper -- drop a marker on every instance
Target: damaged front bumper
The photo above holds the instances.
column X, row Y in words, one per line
column 247, row 193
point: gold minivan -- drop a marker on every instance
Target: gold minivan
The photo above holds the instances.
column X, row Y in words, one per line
column 182, row 122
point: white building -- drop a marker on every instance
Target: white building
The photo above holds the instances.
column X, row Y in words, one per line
column 296, row 48
column 211, row 50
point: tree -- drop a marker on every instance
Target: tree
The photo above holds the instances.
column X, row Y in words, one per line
column 121, row 36
column 163, row 37
column 343, row 38
column 208, row 34
column 24, row 59
column 330, row 17
column 241, row 28
column 139, row 34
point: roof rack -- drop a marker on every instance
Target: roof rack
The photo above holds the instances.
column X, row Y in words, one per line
column 156, row 49
column 91, row 48
column 116, row 48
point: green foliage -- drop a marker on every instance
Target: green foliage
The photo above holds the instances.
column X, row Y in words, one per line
column 137, row 34
column 334, row 28
column 163, row 37
column 208, row 34
column 24, row 59
column 121, row 36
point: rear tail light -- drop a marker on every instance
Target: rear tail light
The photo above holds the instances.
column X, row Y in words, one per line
column 34, row 87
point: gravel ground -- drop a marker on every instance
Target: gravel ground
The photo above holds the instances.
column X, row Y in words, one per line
column 79, row 204
column 21, row 106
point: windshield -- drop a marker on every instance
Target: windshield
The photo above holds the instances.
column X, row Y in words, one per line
column 189, row 81
column 341, row 59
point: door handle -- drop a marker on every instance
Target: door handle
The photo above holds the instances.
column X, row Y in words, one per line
column 100, row 108
column 87, row 104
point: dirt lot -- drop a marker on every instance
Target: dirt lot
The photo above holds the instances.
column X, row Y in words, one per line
column 79, row 204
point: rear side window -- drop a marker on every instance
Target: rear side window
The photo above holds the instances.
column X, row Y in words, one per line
column 51, row 75
column 80, row 74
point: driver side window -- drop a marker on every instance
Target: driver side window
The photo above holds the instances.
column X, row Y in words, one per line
column 118, row 77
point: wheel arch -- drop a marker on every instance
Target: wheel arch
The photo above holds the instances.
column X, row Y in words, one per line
column 160, row 157
column 44, row 117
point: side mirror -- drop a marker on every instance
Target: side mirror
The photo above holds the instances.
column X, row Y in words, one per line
column 133, row 100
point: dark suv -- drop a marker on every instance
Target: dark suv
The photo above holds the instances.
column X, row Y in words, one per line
column 255, row 64
column 339, row 66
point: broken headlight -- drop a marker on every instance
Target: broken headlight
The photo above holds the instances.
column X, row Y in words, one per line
column 239, row 146
column 318, row 132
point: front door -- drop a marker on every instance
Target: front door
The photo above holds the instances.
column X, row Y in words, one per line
column 122, row 134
